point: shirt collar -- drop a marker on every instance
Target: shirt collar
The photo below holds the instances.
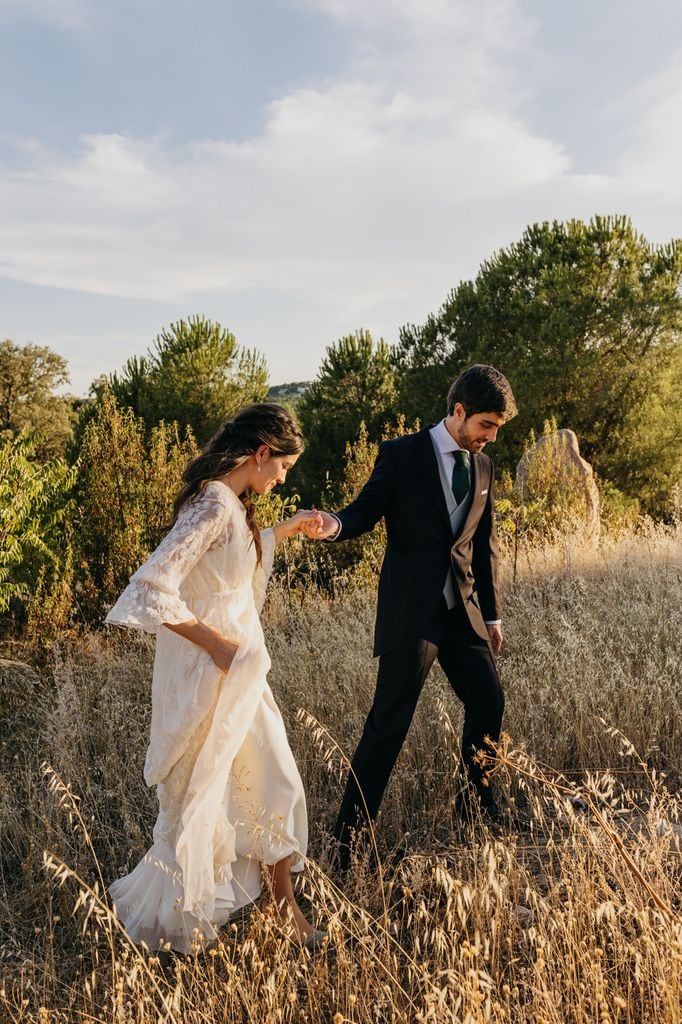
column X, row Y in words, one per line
column 444, row 440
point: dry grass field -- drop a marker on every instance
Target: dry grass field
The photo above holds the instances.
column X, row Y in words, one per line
column 570, row 913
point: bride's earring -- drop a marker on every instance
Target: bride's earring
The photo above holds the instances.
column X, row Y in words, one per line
column 260, row 468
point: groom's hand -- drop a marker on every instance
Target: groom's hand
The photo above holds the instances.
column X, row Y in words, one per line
column 322, row 528
column 301, row 522
column 495, row 634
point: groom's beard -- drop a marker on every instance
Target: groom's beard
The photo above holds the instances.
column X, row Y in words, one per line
column 471, row 444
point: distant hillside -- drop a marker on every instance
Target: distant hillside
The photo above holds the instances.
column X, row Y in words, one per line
column 289, row 392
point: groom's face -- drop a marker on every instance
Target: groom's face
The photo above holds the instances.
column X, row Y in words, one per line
column 476, row 431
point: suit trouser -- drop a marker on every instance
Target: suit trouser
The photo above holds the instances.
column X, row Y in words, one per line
column 468, row 664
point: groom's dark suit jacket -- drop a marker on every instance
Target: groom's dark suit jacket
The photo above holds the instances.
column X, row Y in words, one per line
column 405, row 488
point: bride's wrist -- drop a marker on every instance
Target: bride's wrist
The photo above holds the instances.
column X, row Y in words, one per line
column 212, row 641
column 289, row 527
column 281, row 531
column 220, row 643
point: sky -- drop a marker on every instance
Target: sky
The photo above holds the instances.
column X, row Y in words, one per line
column 301, row 169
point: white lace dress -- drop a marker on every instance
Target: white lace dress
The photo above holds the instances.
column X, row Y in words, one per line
column 230, row 794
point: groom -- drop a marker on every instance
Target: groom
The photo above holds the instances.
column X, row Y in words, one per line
column 438, row 594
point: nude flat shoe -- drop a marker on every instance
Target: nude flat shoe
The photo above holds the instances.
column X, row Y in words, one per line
column 316, row 941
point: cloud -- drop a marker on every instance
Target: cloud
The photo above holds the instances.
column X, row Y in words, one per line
column 370, row 195
column 652, row 160
column 73, row 15
column 342, row 184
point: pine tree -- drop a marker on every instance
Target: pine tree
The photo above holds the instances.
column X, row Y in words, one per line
column 195, row 374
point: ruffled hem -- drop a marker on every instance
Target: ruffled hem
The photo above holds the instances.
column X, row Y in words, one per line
column 148, row 901
column 145, row 605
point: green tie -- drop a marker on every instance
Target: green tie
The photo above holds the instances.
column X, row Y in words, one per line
column 460, row 476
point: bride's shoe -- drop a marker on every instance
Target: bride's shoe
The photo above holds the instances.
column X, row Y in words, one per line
column 315, row 941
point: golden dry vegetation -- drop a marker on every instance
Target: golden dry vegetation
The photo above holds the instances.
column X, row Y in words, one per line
column 570, row 913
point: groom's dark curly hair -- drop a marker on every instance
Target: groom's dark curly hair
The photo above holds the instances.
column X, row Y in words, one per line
column 482, row 388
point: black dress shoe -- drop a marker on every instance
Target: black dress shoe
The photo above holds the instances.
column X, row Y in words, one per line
column 472, row 806
column 491, row 812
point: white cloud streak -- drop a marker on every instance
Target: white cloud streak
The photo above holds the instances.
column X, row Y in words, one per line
column 72, row 15
column 371, row 194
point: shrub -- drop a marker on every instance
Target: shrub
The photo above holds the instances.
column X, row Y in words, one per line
column 126, row 488
column 35, row 516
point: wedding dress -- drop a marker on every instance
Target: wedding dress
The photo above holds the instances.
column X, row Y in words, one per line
column 230, row 794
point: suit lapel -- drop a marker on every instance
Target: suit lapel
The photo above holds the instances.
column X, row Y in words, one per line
column 479, row 479
column 427, row 463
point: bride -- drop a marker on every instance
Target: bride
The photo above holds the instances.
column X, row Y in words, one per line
column 231, row 801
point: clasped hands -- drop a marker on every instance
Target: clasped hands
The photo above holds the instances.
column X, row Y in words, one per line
column 313, row 524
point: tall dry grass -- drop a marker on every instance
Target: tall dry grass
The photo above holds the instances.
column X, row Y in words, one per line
column 570, row 913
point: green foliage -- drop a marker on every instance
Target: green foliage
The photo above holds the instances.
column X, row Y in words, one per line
column 35, row 513
column 363, row 555
column 29, row 375
column 353, row 562
column 273, row 507
column 646, row 458
column 52, row 606
column 355, row 384
column 195, row 374
column 126, row 487
column 619, row 514
column 585, row 320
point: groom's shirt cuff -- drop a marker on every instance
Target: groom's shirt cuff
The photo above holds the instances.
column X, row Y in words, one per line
column 492, row 622
column 335, row 535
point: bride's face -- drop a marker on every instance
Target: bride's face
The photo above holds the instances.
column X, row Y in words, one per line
column 270, row 470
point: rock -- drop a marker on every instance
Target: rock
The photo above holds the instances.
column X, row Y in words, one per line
column 669, row 828
column 578, row 804
column 522, row 916
column 554, row 466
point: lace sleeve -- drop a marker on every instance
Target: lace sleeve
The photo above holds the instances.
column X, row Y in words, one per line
column 262, row 572
column 153, row 595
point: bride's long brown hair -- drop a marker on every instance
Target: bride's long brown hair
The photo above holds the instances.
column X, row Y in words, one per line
column 232, row 446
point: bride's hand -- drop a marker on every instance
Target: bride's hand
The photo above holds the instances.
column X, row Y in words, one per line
column 223, row 651
column 304, row 521
column 327, row 526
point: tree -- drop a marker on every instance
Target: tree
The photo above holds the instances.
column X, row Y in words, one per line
column 29, row 375
column 35, row 512
column 649, row 464
column 127, row 482
column 355, row 384
column 584, row 320
column 195, row 374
